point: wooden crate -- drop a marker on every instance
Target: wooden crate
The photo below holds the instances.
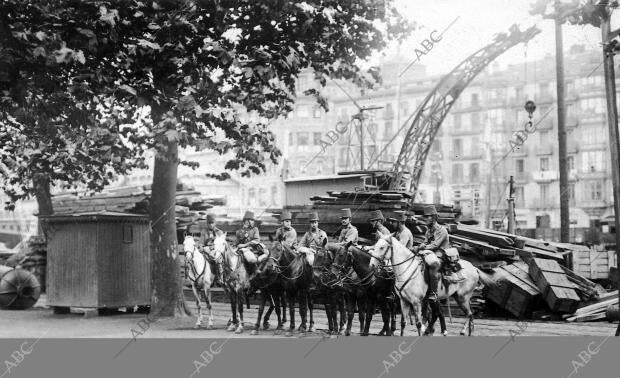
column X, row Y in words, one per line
column 558, row 291
column 515, row 291
column 594, row 263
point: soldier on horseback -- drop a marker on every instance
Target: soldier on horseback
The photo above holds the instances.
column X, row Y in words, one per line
column 248, row 240
column 436, row 240
column 286, row 232
column 403, row 234
column 376, row 221
column 348, row 232
column 207, row 236
column 315, row 237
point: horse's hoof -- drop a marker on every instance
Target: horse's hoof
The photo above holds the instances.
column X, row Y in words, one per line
column 429, row 332
column 239, row 329
column 211, row 326
column 462, row 333
column 346, row 333
column 288, row 333
column 254, row 332
column 311, row 329
column 444, row 333
column 231, row 328
column 197, row 326
column 266, row 325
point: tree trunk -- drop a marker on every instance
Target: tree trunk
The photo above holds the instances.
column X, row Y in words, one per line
column 167, row 289
column 41, row 184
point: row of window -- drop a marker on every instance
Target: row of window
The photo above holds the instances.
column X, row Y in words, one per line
column 259, row 197
column 591, row 161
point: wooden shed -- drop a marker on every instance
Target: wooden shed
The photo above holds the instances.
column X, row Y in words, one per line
column 98, row 260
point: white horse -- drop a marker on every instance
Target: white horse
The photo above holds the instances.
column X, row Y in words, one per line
column 200, row 275
column 411, row 286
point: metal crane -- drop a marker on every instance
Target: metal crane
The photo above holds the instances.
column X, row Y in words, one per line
column 431, row 113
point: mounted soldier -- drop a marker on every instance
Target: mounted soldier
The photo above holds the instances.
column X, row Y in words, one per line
column 248, row 241
column 315, row 237
column 286, row 232
column 402, row 233
column 207, row 236
column 348, row 232
column 436, row 241
column 376, row 221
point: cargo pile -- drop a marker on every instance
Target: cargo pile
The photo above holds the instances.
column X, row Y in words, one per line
column 534, row 277
column 190, row 204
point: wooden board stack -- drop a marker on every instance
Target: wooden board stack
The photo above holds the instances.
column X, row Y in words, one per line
column 557, row 290
column 595, row 310
column 515, row 291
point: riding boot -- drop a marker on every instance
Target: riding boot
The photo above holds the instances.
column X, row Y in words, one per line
column 434, row 277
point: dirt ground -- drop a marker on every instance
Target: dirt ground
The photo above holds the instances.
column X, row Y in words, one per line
column 40, row 321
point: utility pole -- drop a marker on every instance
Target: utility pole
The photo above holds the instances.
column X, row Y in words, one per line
column 612, row 121
column 511, row 206
column 563, row 158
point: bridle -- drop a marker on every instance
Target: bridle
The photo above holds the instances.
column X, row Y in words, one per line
column 411, row 260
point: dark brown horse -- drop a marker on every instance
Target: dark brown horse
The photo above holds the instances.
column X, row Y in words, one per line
column 374, row 288
column 296, row 276
column 271, row 288
column 333, row 299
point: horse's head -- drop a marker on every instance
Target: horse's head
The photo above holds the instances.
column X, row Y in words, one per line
column 220, row 245
column 189, row 244
column 342, row 259
column 381, row 251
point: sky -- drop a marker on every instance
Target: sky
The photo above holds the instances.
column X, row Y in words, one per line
column 477, row 21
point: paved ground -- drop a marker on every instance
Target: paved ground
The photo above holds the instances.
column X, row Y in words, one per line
column 39, row 321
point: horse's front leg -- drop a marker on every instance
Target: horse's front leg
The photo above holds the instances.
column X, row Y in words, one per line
column 198, row 304
column 240, row 303
column 417, row 314
column 290, row 298
column 261, row 308
column 311, row 310
column 209, row 306
column 342, row 302
column 233, row 308
column 404, row 307
column 350, row 314
column 303, row 310
column 385, row 317
column 277, row 304
column 370, row 310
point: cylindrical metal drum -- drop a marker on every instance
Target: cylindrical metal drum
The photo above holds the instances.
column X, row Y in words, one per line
column 613, row 313
column 19, row 289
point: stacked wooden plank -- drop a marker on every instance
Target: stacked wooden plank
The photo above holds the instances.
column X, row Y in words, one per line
column 361, row 204
column 190, row 204
column 557, row 290
column 500, row 245
column 594, row 310
column 515, row 291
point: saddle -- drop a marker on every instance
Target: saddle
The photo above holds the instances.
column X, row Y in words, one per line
column 450, row 266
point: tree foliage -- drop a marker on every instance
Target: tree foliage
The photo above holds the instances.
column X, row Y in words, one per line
column 212, row 72
column 51, row 122
column 575, row 12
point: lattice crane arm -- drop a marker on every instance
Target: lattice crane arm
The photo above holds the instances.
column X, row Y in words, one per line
column 431, row 113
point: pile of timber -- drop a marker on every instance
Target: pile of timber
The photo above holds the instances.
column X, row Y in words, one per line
column 190, row 204
column 534, row 278
column 362, row 203
column 594, row 310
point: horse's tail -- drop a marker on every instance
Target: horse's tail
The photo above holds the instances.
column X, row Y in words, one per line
column 485, row 278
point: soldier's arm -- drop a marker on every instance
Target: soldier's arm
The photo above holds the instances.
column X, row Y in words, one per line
column 255, row 237
column 351, row 235
column 441, row 235
column 304, row 240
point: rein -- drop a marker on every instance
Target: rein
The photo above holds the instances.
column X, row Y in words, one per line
column 411, row 259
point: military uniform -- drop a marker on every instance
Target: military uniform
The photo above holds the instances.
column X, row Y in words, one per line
column 289, row 235
column 347, row 234
column 253, row 252
column 435, row 241
column 403, row 234
column 313, row 240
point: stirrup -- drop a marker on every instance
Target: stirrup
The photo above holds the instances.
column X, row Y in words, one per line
column 433, row 297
